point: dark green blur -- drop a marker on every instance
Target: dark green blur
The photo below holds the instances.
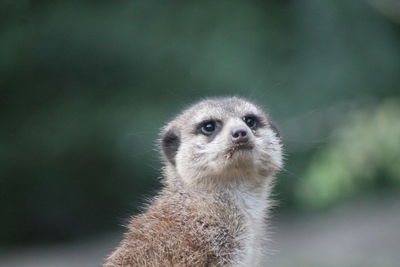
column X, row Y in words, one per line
column 85, row 87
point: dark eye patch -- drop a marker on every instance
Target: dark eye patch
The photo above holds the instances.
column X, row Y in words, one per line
column 252, row 121
column 208, row 128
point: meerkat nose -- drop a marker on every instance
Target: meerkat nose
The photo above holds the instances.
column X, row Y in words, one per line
column 240, row 136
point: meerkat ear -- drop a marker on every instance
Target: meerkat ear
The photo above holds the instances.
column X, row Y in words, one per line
column 275, row 129
column 170, row 143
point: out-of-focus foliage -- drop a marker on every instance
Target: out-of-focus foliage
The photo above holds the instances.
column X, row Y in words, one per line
column 366, row 155
column 85, row 86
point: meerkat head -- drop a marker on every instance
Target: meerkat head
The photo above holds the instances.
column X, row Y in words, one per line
column 221, row 139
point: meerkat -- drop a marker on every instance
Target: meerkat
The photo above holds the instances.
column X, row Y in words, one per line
column 220, row 156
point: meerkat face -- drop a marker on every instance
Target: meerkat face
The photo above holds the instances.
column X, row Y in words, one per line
column 222, row 138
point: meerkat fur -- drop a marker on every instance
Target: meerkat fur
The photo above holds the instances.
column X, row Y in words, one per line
column 220, row 156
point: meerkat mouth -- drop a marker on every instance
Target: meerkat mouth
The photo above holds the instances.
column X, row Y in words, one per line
column 238, row 147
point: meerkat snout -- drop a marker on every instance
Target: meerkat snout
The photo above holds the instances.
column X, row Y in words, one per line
column 240, row 136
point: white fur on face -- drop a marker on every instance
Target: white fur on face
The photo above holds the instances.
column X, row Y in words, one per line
column 201, row 158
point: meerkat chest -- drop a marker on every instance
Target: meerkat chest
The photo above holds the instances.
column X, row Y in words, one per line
column 253, row 207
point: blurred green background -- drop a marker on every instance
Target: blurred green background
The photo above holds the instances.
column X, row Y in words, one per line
column 85, row 87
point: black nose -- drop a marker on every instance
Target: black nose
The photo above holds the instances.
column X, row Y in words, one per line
column 240, row 136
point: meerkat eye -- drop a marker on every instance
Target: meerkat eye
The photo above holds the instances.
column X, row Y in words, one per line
column 208, row 127
column 250, row 121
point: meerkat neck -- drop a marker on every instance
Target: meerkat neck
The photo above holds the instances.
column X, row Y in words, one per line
column 254, row 206
column 251, row 183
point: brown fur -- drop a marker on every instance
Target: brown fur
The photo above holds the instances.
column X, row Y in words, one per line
column 181, row 229
column 212, row 209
